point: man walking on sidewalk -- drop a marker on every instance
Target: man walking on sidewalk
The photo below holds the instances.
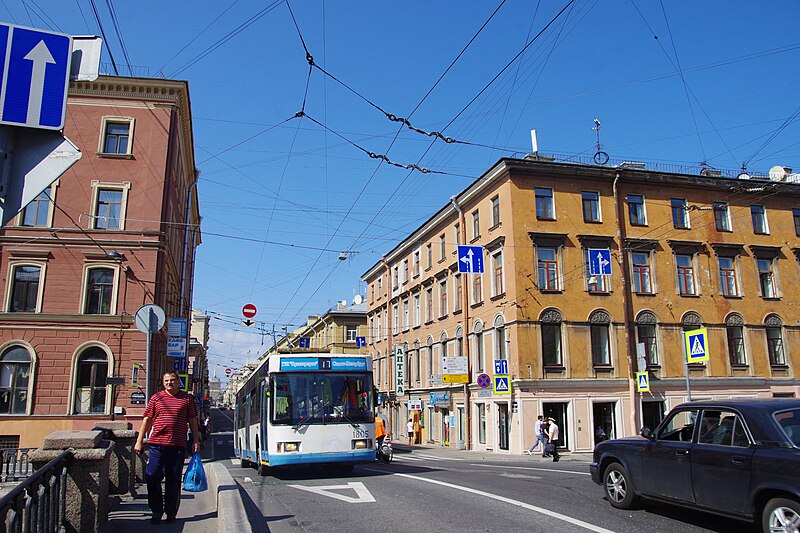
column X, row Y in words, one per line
column 553, row 434
column 540, row 437
column 166, row 417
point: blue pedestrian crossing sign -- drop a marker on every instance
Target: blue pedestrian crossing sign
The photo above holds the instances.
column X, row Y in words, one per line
column 696, row 345
column 642, row 382
column 502, row 384
column 35, row 76
column 470, row 259
column 599, row 262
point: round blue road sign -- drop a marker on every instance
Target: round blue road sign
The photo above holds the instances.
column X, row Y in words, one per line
column 484, row 381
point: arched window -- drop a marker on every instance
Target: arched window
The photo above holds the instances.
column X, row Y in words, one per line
column 500, row 338
column 92, row 370
column 478, row 351
column 15, row 371
column 551, row 338
column 417, row 362
column 774, row 326
column 99, row 290
column 646, row 323
column 599, row 325
column 459, row 350
column 443, row 342
column 734, row 329
column 429, row 358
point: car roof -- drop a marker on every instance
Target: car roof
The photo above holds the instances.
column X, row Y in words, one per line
column 748, row 404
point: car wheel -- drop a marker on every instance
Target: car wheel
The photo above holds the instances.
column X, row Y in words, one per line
column 618, row 487
column 781, row 514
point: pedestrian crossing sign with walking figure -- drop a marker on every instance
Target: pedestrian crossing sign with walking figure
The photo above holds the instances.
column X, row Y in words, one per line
column 696, row 345
column 642, row 382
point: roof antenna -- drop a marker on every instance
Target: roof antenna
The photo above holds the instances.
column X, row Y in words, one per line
column 600, row 157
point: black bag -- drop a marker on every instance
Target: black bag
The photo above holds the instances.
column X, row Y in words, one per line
column 550, row 449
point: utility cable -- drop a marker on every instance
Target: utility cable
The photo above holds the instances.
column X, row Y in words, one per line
column 115, row 22
column 103, row 33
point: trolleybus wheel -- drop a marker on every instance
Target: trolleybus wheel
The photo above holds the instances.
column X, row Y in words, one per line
column 260, row 467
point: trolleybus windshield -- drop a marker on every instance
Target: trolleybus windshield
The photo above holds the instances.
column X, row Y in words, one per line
column 321, row 398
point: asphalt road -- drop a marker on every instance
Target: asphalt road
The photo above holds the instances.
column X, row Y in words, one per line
column 436, row 489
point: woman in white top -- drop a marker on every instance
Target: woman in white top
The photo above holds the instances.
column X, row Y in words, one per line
column 410, row 427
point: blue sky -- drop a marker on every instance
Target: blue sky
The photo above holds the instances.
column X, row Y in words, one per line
column 282, row 196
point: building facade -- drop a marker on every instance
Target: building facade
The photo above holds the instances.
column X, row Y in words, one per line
column 686, row 251
column 117, row 231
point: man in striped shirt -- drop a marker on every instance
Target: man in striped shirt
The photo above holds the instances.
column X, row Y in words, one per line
column 167, row 416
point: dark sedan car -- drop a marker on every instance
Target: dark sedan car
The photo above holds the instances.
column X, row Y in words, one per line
column 738, row 458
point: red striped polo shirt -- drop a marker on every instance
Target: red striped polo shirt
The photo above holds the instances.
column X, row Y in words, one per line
column 170, row 416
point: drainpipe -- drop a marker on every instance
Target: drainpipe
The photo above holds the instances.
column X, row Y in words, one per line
column 627, row 304
column 465, row 285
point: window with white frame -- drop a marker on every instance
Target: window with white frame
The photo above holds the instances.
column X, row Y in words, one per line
column 444, row 343
column 379, row 327
column 498, row 283
column 766, row 277
column 417, row 362
column 646, row 323
column 458, row 290
column 26, row 288
column 552, row 354
column 599, row 328
column 636, row 210
column 734, row 329
column 37, row 212
column 500, row 338
column 459, row 342
column 759, row 216
column 406, row 315
column 476, row 224
column 380, row 286
column 686, row 278
column 429, row 360
column 722, row 216
column 372, row 330
column 100, row 290
column 496, row 211
column 591, row 206
column 680, row 213
column 457, row 233
column 429, row 255
column 545, row 210
column 481, row 423
column 642, row 275
column 351, row 332
column 117, row 133
column 477, row 289
column 416, row 263
column 429, row 304
column 478, row 352
column 15, row 380
column 547, row 259
column 729, row 285
column 405, row 270
column 443, row 297
column 395, row 320
column 395, row 277
column 417, row 310
column 90, row 381
column 774, row 327
column 109, row 202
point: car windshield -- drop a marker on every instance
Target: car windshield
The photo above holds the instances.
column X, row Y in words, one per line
column 321, row 398
column 789, row 421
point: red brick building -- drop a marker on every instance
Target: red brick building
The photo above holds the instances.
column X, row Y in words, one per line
column 117, row 231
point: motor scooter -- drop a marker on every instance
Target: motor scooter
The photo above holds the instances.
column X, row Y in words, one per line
column 384, row 452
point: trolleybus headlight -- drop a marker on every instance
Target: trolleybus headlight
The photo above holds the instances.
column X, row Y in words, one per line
column 288, row 446
column 360, row 444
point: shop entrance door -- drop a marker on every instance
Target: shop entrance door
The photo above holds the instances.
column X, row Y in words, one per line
column 558, row 412
column 502, row 425
column 603, row 418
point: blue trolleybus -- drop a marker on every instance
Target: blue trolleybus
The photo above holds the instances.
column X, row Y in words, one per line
column 310, row 408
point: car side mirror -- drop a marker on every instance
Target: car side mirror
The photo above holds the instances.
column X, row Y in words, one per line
column 647, row 433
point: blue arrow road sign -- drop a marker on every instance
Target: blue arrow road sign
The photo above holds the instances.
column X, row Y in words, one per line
column 305, row 342
column 599, row 261
column 501, row 366
column 470, row 259
column 361, row 342
column 35, row 74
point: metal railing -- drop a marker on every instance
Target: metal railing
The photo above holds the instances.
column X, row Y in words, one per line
column 14, row 464
column 38, row 504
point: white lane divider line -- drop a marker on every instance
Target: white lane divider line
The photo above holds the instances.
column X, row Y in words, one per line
column 517, row 503
column 435, row 458
column 533, row 468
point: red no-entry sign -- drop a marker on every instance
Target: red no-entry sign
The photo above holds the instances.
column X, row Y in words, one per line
column 249, row 310
column 227, row 371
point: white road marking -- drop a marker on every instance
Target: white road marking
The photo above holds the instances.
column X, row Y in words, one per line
column 534, row 508
column 533, row 468
column 435, row 458
column 362, row 494
column 404, row 458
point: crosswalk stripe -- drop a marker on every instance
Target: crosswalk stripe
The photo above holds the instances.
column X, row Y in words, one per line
column 435, row 458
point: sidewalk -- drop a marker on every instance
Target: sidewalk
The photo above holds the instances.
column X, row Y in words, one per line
column 197, row 512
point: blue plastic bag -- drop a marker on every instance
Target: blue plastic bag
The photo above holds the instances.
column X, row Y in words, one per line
column 195, row 478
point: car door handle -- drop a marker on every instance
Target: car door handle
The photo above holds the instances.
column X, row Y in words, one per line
column 682, row 452
column 738, row 460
